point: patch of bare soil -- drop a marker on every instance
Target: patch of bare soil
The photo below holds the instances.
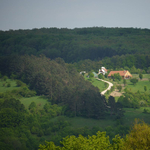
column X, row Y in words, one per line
column 144, row 79
column 116, row 93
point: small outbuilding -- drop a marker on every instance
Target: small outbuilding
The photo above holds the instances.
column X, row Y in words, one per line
column 125, row 74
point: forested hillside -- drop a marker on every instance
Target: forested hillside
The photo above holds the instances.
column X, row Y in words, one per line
column 60, row 82
column 46, row 63
column 78, row 44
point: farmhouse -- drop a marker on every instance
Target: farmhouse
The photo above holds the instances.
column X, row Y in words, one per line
column 124, row 74
column 103, row 70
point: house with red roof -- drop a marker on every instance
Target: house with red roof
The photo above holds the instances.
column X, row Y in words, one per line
column 125, row 74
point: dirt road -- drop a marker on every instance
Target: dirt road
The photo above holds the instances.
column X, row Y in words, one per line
column 109, row 87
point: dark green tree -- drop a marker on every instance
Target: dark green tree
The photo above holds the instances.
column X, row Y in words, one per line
column 134, row 81
column 100, row 76
column 119, row 87
column 124, row 82
column 145, row 88
column 32, row 105
column 141, row 76
column 112, row 104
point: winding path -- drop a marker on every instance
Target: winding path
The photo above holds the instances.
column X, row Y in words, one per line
column 109, row 87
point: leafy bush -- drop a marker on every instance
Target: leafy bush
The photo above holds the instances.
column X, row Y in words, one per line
column 19, row 83
column 5, row 78
column 119, row 87
column 8, row 85
column 100, row 76
column 134, row 81
column 13, row 76
column 146, row 111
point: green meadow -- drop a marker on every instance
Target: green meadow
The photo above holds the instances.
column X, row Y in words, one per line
column 97, row 83
column 131, row 113
column 139, row 86
column 129, row 116
column 4, row 87
column 39, row 100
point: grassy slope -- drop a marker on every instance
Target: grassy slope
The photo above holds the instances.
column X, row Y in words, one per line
column 39, row 100
column 131, row 114
column 141, row 83
column 78, row 122
column 97, row 83
column 5, row 88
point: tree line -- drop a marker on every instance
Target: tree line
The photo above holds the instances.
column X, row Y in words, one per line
column 76, row 44
column 136, row 64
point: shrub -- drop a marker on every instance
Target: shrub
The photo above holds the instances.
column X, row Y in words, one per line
column 32, row 105
column 13, row 76
column 145, row 88
column 19, row 83
column 5, row 78
column 8, row 85
column 100, row 76
column 1, row 95
column 119, row 87
column 112, row 88
column 134, row 81
column 145, row 111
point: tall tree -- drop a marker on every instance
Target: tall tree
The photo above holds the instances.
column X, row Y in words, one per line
column 141, row 76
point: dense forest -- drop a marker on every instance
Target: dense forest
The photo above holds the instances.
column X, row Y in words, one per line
column 46, row 62
column 60, row 82
column 78, row 44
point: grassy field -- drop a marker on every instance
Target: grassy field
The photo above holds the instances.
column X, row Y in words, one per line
column 39, row 100
column 5, row 88
column 145, row 76
column 139, row 86
column 97, row 83
column 78, row 122
column 141, row 83
column 131, row 114
column 128, row 119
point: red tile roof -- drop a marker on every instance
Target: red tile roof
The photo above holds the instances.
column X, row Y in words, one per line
column 122, row 73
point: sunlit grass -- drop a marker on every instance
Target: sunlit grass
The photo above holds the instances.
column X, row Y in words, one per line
column 139, row 86
column 40, row 101
column 4, row 88
column 96, row 83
